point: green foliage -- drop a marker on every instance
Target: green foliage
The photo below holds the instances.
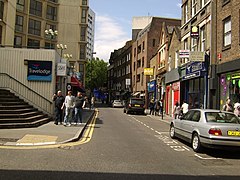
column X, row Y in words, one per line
column 96, row 73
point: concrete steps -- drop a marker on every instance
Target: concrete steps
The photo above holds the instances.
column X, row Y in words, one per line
column 16, row 113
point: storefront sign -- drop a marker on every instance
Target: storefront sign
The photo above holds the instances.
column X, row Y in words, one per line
column 184, row 53
column 194, row 70
column 148, row 71
column 39, row 71
column 194, row 31
column 152, row 86
column 61, row 69
column 176, row 86
column 196, row 56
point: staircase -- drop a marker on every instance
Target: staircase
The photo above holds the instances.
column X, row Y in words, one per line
column 16, row 113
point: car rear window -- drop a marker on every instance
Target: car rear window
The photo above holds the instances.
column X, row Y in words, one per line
column 222, row 117
column 117, row 101
column 137, row 101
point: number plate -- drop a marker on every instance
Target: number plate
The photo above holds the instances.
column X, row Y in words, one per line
column 137, row 105
column 233, row 133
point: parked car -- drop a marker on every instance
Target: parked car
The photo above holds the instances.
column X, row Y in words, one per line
column 134, row 105
column 117, row 103
column 207, row 128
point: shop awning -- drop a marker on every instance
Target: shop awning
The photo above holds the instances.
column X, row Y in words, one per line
column 76, row 83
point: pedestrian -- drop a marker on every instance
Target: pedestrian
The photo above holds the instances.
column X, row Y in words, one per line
column 228, row 106
column 59, row 100
column 92, row 102
column 184, row 107
column 157, row 107
column 78, row 107
column 176, row 110
column 237, row 109
column 151, row 107
column 69, row 105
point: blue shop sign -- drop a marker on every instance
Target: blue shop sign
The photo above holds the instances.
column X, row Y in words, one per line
column 39, row 71
column 152, row 86
column 194, row 69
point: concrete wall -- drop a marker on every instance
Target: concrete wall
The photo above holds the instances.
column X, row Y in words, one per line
column 13, row 76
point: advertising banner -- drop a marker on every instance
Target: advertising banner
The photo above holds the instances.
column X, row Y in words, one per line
column 61, row 69
column 39, row 71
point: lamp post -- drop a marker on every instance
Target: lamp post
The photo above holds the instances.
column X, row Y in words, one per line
column 91, row 73
column 61, row 47
column 51, row 34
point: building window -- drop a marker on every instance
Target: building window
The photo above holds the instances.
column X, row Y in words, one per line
column 203, row 2
column 82, row 51
column 185, row 46
column 154, row 42
column 17, row 41
column 194, row 44
column 143, row 46
column 84, row 16
column 139, row 63
column 52, row 13
column 185, row 17
column 20, row 5
column 83, row 34
column 35, row 8
column 142, row 61
column 139, row 49
column 227, row 32
column 176, row 59
column 138, row 78
column 84, row 2
column 32, row 43
column 34, row 27
column 194, row 7
column 142, row 78
column 169, row 63
column 19, row 23
column 1, row 9
column 203, row 38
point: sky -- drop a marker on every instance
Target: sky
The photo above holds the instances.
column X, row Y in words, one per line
column 113, row 20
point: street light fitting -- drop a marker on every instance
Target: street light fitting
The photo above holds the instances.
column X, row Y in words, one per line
column 68, row 56
column 61, row 46
column 51, row 32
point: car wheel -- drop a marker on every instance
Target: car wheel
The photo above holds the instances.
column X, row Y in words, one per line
column 172, row 131
column 196, row 144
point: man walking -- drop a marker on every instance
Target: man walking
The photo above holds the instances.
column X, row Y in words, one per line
column 59, row 100
column 79, row 105
column 69, row 104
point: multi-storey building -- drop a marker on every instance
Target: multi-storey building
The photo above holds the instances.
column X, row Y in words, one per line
column 172, row 77
column 225, row 54
column 143, row 49
column 90, row 34
column 23, row 24
column 119, row 72
column 196, row 38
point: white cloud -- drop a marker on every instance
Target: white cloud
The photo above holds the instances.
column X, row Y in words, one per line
column 109, row 35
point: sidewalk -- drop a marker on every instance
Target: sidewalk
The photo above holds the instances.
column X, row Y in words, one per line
column 46, row 134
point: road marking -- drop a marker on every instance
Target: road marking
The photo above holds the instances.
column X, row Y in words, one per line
column 209, row 158
column 86, row 138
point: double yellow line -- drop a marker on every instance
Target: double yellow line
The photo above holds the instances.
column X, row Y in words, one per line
column 86, row 138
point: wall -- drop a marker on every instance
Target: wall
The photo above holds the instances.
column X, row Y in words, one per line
column 36, row 93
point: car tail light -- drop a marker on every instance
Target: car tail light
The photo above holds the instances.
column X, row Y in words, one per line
column 215, row 131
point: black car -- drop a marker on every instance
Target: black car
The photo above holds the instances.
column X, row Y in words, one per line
column 134, row 105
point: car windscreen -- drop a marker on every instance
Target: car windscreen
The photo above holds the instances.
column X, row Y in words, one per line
column 137, row 101
column 222, row 117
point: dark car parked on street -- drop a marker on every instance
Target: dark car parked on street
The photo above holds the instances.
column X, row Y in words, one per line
column 134, row 105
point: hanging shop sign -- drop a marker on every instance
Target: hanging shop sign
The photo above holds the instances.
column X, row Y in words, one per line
column 39, row 71
column 61, row 69
column 184, row 53
column 148, row 71
column 194, row 69
column 194, row 31
column 196, row 56
column 152, row 86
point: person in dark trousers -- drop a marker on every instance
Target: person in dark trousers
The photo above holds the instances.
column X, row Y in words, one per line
column 151, row 106
column 79, row 105
column 59, row 100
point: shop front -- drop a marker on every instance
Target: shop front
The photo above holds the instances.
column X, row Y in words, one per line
column 193, row 83
column 152, row 90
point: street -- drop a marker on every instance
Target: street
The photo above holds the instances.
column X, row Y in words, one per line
column 121, row 146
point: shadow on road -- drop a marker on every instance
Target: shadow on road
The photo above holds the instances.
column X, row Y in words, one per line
column 22, row 174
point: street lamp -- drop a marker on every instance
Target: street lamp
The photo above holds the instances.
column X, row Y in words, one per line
column 61, row 47
column 51, row 34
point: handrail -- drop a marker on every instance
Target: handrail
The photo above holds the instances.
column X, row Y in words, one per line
column 26, row 87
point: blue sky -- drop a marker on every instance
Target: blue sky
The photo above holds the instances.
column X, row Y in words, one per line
column 113, row 24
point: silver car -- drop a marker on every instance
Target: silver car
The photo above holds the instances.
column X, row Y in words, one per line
column 117, row 103
column 207, row 128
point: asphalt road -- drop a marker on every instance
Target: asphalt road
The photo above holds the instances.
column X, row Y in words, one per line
column 121, row 147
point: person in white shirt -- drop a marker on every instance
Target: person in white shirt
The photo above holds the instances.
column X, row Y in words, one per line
column 184, row 107
column 69, row 105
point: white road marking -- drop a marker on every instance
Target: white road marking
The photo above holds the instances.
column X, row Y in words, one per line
column 209, row 158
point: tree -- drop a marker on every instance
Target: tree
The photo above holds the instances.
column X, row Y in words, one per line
column 96, row 73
